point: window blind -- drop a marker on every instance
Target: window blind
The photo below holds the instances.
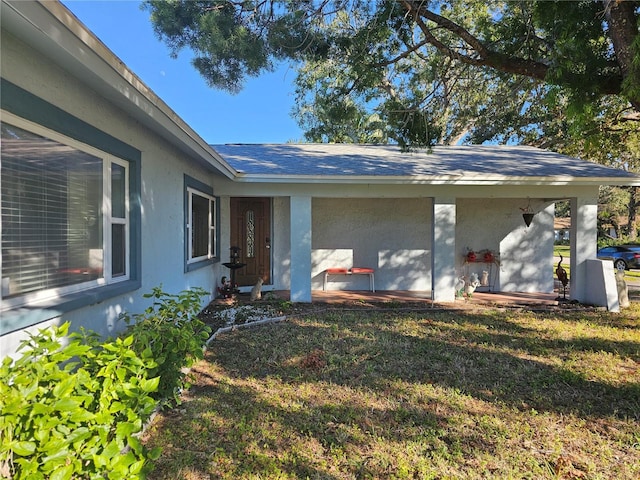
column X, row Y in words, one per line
column 51, row 213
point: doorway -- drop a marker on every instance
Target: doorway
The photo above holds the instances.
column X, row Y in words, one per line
column 251, row 232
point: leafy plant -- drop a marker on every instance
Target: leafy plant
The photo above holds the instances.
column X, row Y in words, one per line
column 172, row 334
column 72, row 411
column 75, row 410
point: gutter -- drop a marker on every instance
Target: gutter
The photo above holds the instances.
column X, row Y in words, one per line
column 456, row 180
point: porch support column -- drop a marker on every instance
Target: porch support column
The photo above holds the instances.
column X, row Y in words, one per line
column 443, row 249
column 584, row 237
column 300, row 249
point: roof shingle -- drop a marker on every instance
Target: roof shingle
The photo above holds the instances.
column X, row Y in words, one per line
column 480, row 161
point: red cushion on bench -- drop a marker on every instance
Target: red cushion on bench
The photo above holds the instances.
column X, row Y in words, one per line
column 361, row 270
column 337, row 270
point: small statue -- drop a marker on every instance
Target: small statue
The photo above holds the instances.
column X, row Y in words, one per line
column 256, row 291
column 563, row 278
column 472, row 285
column 484, row 279
column 225, row 290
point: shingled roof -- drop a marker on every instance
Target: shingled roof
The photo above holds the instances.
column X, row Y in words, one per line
column 449, row 164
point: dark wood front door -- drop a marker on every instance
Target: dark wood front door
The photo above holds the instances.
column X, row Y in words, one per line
column 251, row 232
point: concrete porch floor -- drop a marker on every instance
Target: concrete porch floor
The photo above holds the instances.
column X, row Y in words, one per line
column 403, row 296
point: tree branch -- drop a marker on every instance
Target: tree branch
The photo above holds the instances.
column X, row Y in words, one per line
column 486, row 57
column 403, row 55
column 623, row 30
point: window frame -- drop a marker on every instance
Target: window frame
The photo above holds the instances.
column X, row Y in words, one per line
column 17, row 103
column 110, row 219
column 107, row 219
column 193, row 187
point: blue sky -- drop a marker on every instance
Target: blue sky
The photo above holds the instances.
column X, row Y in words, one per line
column 260, row 113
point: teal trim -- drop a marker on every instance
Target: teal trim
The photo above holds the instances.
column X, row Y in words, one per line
column 30, row 315
column 190, row 182
column 26, row 105
column 30, row 107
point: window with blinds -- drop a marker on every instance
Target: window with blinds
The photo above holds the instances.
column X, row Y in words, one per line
column 65, row 215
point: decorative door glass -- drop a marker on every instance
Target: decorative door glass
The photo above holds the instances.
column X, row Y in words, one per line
column 251, row 234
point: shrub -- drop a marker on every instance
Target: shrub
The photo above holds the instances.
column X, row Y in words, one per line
column 73, row 411
column 173, row 334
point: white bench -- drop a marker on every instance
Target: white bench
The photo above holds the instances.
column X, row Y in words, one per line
column 351, row 271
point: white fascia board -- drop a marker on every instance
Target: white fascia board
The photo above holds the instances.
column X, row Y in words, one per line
column 440, row 180
column 52, row 29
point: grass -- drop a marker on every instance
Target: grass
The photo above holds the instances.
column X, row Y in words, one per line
column 563, row 250
column 433, row 394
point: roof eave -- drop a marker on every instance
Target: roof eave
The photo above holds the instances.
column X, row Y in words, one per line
column 461, row 180
column 52, row 29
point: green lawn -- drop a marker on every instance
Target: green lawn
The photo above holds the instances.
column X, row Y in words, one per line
column 562, row 250
column 358, row 394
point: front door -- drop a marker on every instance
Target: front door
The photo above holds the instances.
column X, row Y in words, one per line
column 251, row 232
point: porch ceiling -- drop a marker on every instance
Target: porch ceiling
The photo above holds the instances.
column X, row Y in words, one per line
column 472, row 165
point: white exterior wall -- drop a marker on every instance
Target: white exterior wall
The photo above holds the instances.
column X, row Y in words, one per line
column 162, row 191
column 391, row 235
column 351, row 231
column 301, row 248
column 525, row 253
column 443, row 258
column 281, row 243
column 584, row 221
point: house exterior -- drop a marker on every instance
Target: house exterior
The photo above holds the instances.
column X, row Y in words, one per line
column 100, row 182
column 413, row 216
column 106, row 193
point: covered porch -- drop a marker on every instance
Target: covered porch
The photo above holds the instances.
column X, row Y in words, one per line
column 413, row 217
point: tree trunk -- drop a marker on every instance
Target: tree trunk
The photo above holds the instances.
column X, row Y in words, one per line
column 623, row 30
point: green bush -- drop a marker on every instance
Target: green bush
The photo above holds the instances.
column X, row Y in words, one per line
column 174, row 335
column 73, row 411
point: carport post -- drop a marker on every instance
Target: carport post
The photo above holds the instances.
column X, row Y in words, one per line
column 300, row 215
column 443, row 249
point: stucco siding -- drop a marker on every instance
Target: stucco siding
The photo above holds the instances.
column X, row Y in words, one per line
column 389, row 234
column 281, row 243
column 162, row 170
column 524, row 252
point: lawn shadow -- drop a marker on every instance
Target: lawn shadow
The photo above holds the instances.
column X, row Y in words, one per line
column 344, row 380
column 236, row 415
column 506, row 361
